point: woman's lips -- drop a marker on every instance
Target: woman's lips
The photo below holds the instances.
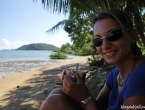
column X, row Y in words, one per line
column 111, row 53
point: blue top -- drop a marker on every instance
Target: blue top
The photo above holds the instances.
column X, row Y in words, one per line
column 134, row 85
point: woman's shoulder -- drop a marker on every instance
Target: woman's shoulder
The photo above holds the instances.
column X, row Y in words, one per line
column 140, row 66
column 138, row 73
column 114, row 72
column 141, row 61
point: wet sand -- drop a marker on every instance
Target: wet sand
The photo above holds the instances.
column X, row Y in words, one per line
column 8, row 68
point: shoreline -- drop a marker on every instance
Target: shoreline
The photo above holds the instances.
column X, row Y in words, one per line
column 27, row 90
column 8, row 68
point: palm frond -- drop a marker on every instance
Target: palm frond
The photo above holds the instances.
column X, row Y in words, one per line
column 108, row 4
column 59, row 6
column 59, row 25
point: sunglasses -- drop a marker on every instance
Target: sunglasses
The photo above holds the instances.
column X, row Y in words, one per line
column 111, row 36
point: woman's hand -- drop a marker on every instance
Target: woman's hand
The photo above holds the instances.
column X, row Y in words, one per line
column 75, row 87
column 63, row 74
column 83, row 76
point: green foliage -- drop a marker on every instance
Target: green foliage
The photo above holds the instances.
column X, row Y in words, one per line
column 86, row 49
column 38, row 46
column 79, row 31
column 58, row 55
column 66, row 48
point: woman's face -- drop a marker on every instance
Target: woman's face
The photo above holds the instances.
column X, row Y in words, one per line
column 116, row 51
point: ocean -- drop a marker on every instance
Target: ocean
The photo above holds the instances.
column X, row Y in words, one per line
column 17, row 61
column 15, row 55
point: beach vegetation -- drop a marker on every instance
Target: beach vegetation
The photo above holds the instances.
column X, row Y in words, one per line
column 74, row 49
column 87, row 49
column 58, row 55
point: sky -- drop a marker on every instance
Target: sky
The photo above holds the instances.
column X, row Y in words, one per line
column 24, row 22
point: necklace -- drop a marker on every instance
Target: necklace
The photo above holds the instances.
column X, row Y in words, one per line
column 121, row 84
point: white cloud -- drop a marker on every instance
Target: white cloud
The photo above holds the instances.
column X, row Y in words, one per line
column 6, row 44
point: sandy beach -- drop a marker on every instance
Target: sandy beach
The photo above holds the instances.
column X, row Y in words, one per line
column 27, row 90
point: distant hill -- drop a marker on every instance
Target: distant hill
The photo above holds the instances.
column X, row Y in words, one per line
column 38, row 46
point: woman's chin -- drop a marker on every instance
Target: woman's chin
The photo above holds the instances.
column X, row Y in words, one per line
column 110, row 62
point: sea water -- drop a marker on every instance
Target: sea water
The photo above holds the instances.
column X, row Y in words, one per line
column 17, row 61
column 14, row 55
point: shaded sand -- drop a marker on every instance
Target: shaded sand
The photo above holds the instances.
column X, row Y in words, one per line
column 27, row 90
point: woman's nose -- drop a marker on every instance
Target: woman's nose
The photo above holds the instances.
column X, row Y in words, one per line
column 105, row 43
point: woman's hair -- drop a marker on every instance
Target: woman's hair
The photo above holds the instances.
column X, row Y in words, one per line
column 124, row 20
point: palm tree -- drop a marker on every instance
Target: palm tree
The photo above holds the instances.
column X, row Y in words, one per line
column 89, row 8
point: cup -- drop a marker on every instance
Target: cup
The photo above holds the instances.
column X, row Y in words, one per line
column 68, row 72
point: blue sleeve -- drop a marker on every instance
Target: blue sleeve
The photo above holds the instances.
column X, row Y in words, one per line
column 111, row 78
column 135, row 83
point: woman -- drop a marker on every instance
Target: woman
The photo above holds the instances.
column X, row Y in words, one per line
column 115, row 40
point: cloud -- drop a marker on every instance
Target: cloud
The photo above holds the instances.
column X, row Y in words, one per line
column 6, row 44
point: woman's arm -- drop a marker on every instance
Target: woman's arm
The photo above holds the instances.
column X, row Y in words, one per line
column 134, row 103
column 101, row 102
column 103, row 97
column 78, row 91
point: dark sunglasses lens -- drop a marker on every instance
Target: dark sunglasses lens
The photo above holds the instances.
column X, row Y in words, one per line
column 97, row 42
column 114, row 35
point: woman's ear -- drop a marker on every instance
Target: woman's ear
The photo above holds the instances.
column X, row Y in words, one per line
column 134, row 35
